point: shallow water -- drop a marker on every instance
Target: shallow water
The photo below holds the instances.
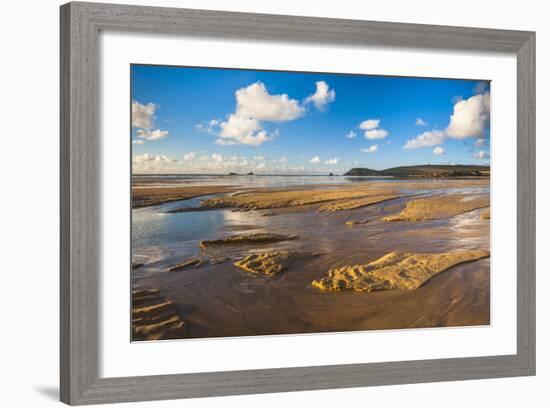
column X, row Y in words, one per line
column 221, row 300
column 157, row 233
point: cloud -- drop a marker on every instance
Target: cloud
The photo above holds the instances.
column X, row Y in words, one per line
column 210, row 126
column 480, row 142
column 254, row 105
column 142, row 119
column 254, row 102
column 438, row 151
column 189, row 156
column 151, row 135
column 420, row 122
column 323, row 95
column 351, row 134
column 376, row 134
column 283, row 160
column 480, row 155
column 142, row 115
column 242, row 130
column 217, row 157
column 332, row 161
column 149, row 163
column 470, row 117
column 372, row 129
column 259, row 158
column 430, row 138
column 370, row 149
column 369, row 124
column 225, row 142
column 315, row 160
column 138, row 142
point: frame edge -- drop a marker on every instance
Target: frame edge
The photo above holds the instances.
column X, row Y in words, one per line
column 79, row 381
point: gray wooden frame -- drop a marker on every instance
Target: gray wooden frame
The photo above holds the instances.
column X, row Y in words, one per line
column 80, row 192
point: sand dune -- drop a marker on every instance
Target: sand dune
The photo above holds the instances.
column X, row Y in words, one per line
column 438, row 207
column 394, row 271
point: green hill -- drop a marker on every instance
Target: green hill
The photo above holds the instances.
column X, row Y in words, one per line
column 425, row 171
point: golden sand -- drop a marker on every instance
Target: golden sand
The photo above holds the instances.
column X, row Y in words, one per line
column 269, row 263
column 147, row 196
column 394, row 271
column 438, row 207
column 485, row 214
column 154, row 317
column 351, row 204
column 280, row 199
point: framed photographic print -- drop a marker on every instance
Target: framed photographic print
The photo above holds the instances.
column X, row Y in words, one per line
column 259, row 203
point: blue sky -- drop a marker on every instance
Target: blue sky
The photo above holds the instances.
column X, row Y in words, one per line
column 202, row 120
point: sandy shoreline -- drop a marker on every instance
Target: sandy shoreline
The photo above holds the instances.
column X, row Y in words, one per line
column 336, row 226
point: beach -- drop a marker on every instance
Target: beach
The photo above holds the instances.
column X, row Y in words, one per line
column 263, row 255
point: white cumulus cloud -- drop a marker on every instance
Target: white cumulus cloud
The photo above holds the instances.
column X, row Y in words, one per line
column 351, row 134
column 151, row 135
column 369, row 124
column 372, row 129
column 332, row 161
column 142, row 119
column 438, row 151
column 370, row 149
column 138, row 142
column 189, row 156
column 470, row 117
column 323, row 95
column 142, row 115
column 254, row 102
column 255, row 105
column 420, row 122
column 430, row 138
column 376, row 134
column 315, row 160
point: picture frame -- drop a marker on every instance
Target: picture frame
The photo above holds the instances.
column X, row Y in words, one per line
column 81, row 24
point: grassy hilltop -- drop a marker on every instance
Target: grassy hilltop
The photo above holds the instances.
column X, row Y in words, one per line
column 427, row 171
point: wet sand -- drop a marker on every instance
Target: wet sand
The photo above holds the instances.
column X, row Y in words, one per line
column 216, row 298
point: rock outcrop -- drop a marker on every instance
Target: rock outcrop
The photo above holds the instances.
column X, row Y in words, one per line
column 256, row 238
column 269, row 263
column 186, row 264
column 394, row 271
column 154, row 317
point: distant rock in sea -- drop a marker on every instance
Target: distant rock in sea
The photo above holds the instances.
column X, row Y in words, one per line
column 233, row 174
column 250, row 174
column 331, row 174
